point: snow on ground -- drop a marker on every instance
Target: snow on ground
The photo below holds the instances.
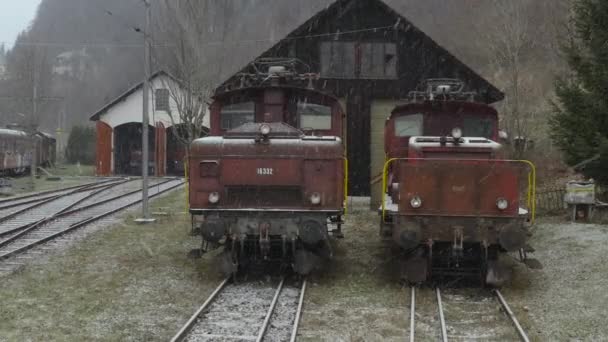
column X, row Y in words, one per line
column 135, row 283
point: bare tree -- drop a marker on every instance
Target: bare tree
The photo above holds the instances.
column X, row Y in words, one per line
column 190, row 83
column 520, row 37
column 30, row 75
column 510, row 42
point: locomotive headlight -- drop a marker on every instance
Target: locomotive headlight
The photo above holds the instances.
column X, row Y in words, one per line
column 502, row 204
column 457, row 133
column 315, row 198
column 265, row 129
column 214, row 197
column 416, row 202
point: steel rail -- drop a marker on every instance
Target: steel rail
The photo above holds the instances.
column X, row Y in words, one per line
column 70, row 212
column 444, row 333
column 185, row 330
column 93, row 194
column 43, row 193
column 41, row 202
column 26, row 228
column 296, row 323
column 273, row 305
column 9, row 206
column 73, row 226
column 520, row 330
column 413, row 314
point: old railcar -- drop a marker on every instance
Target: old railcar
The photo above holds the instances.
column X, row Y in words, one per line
column 453, row 203
column 269, row 181
column 46, row 149
column 15, row 152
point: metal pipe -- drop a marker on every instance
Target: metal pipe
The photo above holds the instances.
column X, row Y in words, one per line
column 270, row 311
column 413, row 315
column 296, row 324
column 444, row 333
column 520, row 330
column 146, row 118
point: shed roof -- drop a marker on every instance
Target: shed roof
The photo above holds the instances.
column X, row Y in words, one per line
column 129, row 92
column 339, row 8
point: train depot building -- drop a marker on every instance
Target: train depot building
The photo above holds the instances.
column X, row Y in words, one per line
column 119, row 131
column 370, row 57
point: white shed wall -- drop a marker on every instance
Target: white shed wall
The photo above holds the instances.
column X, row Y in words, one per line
column 130, row 109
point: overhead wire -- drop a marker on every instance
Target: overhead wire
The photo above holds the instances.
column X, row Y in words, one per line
column 216, row 43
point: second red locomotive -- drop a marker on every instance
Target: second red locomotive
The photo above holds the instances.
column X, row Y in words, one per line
column 454, row 202
column 270, row 179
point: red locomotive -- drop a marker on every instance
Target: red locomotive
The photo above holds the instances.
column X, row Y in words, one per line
column 270, row 179
column 454, row 203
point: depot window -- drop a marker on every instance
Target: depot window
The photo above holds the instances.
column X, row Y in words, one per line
column 314, row 116
column 237, row 114
column 409, row 125
column 364, row 60
column 162, row 100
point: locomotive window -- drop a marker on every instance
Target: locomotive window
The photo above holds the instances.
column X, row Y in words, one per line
column 237, row 114
column 478, row 127
column 408, row 125
column 314, row 116
column 161, row 97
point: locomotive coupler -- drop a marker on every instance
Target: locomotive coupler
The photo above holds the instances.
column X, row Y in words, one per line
column 284, row 245
column 485, row 245
column 265, row 239
column 458, row 247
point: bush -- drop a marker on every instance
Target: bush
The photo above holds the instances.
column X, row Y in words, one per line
column 81, row 145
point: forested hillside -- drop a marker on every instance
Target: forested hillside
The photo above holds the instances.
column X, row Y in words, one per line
column 512, row 43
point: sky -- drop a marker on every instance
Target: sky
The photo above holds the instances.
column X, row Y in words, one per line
column 15, row 16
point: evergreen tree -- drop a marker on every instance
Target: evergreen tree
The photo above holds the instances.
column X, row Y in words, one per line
column 81, row 145
column 580, row 120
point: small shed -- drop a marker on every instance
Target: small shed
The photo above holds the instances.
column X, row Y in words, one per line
column 370, row 57
column 119, row 131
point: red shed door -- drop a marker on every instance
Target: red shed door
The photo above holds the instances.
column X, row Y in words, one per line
column 103, row 152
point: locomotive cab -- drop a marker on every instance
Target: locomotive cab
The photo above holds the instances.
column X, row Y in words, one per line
column 452, row 202
column 269, row 181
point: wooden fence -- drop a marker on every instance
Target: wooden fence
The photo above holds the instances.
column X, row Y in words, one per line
column 550, row 200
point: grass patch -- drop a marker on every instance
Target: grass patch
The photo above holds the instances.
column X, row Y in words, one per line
column 74, row 170
column 70, row 175
column 124, row 283
column 358, row 298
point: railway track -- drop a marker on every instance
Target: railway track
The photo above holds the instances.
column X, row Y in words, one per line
column 252, row 311
column 10, row 202
column 471, row 316
column 32, row 212
column 17, row 239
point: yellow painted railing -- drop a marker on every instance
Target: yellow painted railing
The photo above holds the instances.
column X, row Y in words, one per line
column 345, row 186
column 531, row 193
column 186, row 175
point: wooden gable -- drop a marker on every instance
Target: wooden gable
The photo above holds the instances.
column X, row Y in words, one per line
column 360, row 37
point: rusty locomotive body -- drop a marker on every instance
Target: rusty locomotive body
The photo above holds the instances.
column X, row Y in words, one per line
column 269, row 180
column 16, row 151
column 453, row 203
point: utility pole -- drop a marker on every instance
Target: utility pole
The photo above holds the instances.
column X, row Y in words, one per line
column 32, row 132
column 146, row 116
